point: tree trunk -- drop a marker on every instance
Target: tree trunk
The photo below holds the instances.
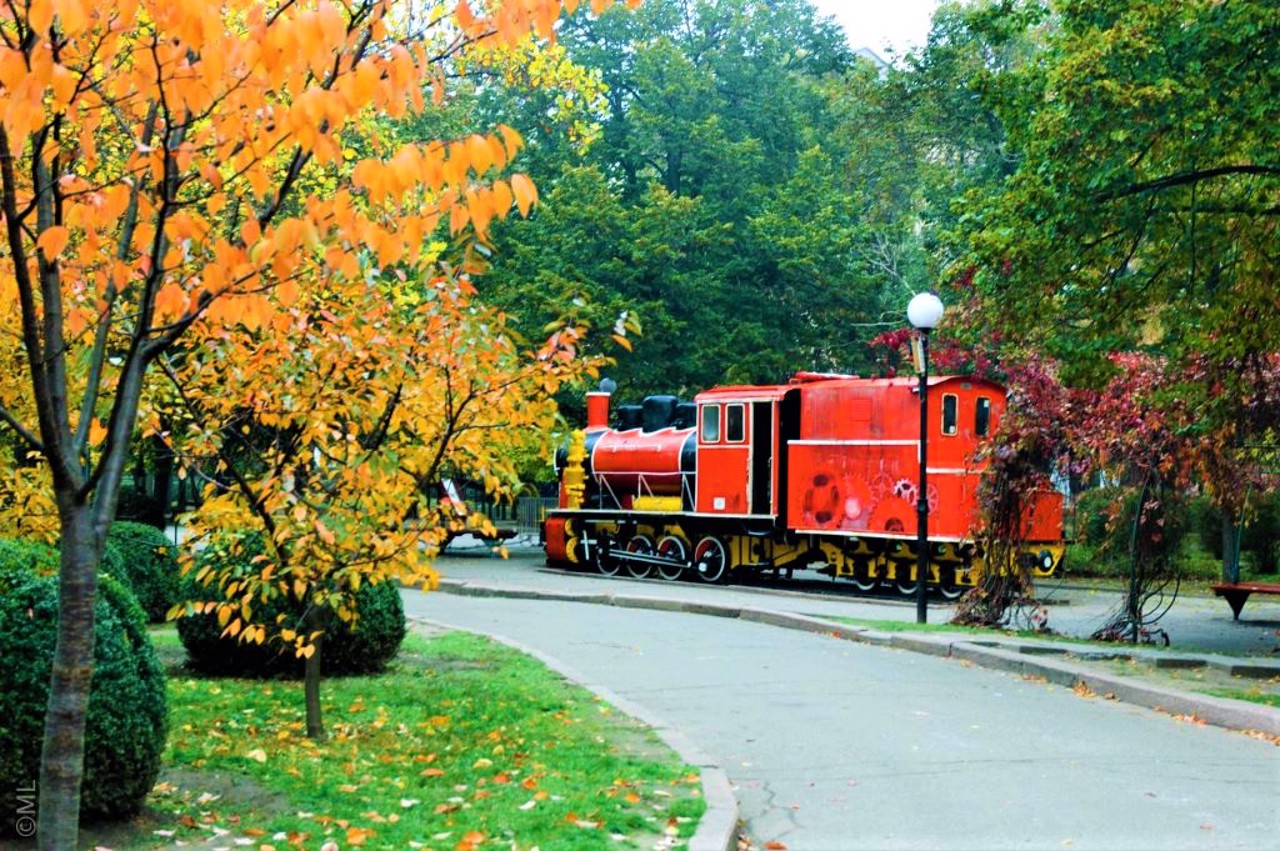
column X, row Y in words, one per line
column 672, row 178
column 159, row 514
column 311, row 690
column 62, row 757
column 1230, row 550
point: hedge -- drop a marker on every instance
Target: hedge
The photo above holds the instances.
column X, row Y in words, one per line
column 364, row 648
column 126, row 721
column 147, row 564
column 1260, row 542
column 20, row 554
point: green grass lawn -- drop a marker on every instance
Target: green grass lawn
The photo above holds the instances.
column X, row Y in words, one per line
column 912, row 626
column 1254, row 695
column 462, row 744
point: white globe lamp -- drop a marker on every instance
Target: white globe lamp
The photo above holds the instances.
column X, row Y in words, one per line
column 925, row 311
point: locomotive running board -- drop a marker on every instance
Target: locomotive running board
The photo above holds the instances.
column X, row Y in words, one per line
column 631, row 512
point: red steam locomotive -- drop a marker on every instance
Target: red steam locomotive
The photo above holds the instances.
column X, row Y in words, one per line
column 821, row 473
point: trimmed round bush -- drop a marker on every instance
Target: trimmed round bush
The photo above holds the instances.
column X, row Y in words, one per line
column 147, row 563
column 362, row 648
column 125, row 726
column 24, row 555
column 376, row 637
column 113, row 563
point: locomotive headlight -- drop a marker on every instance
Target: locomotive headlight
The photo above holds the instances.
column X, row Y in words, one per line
column 1046, row 559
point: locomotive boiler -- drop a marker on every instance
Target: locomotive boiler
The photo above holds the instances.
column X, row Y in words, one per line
column 820, row 473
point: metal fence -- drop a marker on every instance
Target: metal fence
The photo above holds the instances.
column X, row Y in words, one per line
column 530, row 511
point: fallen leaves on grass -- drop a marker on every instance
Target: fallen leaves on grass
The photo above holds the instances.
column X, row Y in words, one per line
column 470, row 840
column 465, row 759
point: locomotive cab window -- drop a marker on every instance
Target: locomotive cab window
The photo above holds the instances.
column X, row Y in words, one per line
column 735, row 424
column 982, row 417
column 950, row 412
column 710, row 424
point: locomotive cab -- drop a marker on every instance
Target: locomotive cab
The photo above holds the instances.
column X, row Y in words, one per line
column 739, row 451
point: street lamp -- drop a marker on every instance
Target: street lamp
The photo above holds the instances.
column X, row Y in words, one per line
column 924, row 312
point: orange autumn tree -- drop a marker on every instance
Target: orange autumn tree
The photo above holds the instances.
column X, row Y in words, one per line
column 151, row 159
column 324, row 434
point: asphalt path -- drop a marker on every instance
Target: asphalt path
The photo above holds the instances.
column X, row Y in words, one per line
column 834, row 745
column 1194, row 623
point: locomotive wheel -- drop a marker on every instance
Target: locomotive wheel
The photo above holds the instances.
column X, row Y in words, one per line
column 867, row 584
column 904, row 583
column 710, row 560
column 605, row 561
column 642, row 545
column 672, row 548
column 951, row 592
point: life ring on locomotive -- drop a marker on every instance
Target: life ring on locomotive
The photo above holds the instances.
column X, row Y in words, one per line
column 832, row 504
column 822, row 503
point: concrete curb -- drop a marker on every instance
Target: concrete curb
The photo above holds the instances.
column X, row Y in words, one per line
column 1221, row 712
column 1024, row 659
column 718, row 828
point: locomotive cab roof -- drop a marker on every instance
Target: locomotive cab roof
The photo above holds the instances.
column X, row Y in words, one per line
column 805, row 381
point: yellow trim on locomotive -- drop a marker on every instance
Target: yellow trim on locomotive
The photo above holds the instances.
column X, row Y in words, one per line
column 570, row 541
column 658, row 504
column 872, row 559
column 575, row 476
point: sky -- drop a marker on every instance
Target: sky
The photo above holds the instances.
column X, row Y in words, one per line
column 874, row 23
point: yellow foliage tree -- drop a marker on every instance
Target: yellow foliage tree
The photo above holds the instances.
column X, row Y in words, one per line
column 326, row 434
column 151, row 154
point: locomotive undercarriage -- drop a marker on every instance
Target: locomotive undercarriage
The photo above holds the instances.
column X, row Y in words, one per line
column 718, row 549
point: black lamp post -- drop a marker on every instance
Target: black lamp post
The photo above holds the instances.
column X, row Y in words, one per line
column 924, row 312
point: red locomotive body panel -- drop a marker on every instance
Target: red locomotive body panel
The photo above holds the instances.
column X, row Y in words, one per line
column 855, row 466
column 1044, row 519
column 737, row 442
column 555, row 539
column 639, row 463
column 723, row 483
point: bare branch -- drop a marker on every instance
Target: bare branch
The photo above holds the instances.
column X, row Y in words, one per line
column 21, row 430
column 1185, row 178
column 255, row 499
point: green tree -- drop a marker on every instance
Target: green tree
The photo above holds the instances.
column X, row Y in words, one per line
column 708, row 203
column 1142, row 212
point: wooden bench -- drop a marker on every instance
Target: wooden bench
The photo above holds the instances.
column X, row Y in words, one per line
column 1237, row 592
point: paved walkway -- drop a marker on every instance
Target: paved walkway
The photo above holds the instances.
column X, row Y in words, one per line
column 1195, row 623
column 834, row 745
